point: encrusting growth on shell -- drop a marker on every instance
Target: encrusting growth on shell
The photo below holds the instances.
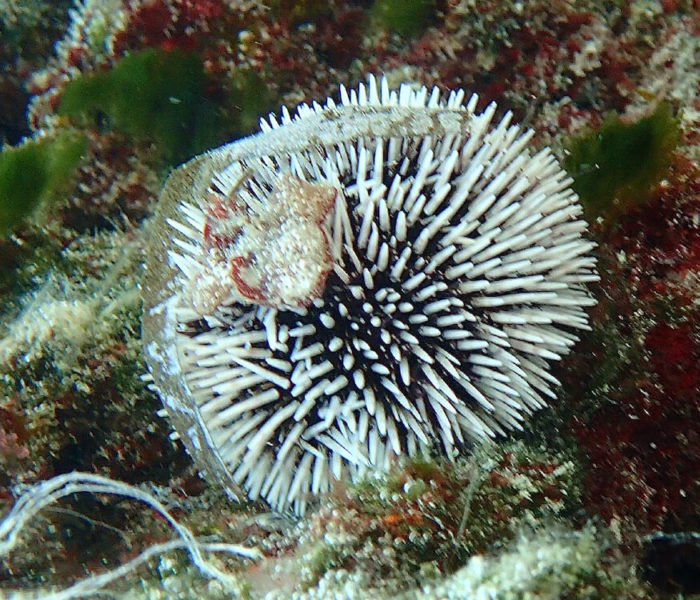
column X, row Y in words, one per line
column 361, row 280
column 273, row 253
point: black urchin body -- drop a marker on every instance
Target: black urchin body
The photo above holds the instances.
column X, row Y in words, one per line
column 458, row 272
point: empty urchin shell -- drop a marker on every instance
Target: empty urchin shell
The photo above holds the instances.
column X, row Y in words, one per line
column 383, row 276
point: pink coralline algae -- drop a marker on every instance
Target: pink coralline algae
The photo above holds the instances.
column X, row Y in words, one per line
column 643, row 449
column 644, row 453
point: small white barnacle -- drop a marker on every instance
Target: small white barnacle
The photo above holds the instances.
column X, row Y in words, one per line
column 384, row 276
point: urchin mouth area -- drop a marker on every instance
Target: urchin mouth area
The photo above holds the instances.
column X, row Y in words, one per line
column 380, row 345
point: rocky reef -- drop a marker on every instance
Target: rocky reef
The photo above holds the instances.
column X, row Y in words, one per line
column 598, row 496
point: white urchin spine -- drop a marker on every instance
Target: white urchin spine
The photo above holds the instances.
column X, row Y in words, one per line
column 448, row 269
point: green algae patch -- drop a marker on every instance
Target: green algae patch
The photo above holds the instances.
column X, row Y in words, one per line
column 247, row 98
column 405, row 17
column 149, row 96
column 615, row 166
column 30, row 173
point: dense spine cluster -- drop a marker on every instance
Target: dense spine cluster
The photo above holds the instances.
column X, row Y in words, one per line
column 458, row 272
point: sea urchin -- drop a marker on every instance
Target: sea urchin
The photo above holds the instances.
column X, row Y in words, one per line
column 360, row 281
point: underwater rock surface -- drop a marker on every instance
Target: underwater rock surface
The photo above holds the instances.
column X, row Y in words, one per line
column 610, row 464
